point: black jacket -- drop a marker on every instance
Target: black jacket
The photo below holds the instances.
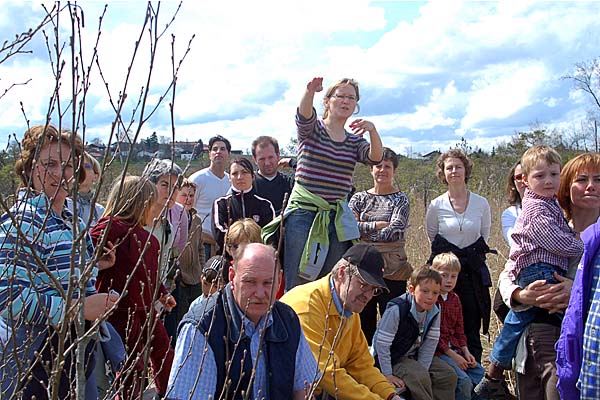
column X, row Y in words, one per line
column 275, row 189
column 238, row 205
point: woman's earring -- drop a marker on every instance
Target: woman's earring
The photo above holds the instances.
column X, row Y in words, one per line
column 357, row 109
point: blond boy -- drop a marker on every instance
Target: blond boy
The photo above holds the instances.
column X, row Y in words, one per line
column 452, row 344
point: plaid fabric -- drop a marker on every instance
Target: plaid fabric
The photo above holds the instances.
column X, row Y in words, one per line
column 589, row 377
column 542, row 234
column 452, row 329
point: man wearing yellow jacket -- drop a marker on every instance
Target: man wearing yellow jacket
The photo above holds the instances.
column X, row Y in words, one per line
column 328, row 310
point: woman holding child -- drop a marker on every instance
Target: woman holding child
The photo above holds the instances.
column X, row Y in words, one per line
column 459, row 221
column 579, row 197
column 543, row 246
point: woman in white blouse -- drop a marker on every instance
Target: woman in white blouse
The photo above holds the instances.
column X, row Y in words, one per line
column 515, row 189
column 459, row 221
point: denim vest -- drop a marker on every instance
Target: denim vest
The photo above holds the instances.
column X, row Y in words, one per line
column 279, row 351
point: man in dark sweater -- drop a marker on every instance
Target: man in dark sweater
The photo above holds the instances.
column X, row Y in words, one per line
column 268, row 181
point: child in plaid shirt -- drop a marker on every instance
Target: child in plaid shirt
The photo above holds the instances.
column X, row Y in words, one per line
column 543, row 246
column 452, row 345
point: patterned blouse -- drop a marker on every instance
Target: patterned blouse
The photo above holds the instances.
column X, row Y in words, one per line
column 369, row 207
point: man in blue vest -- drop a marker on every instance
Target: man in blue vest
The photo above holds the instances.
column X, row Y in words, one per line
column 221, row 351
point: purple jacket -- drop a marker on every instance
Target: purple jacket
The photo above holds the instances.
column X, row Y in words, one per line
column 569, row 347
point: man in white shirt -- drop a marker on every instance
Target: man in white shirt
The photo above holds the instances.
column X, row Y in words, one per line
column 211, row 183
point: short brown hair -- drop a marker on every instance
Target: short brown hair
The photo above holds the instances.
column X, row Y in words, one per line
column 513, row 195
column 186, row 183
column 35, row 139
column 538, row 153
column 454, row 153
column 424, row 273
column 135, row 198
column 264, row 141
column 586, row 162
column 446, row 262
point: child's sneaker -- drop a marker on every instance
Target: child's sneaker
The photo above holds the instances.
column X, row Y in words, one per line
column 489, row 389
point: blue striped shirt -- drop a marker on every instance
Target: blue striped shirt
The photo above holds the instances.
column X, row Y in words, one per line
column 35, row 251
column 589, row 377
column 194, row 373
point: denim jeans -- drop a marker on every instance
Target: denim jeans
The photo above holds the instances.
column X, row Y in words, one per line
column 516, row 321
column 467, row 380
column 297, row 228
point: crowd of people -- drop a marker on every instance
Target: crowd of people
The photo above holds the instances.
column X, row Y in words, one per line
column 236, row 282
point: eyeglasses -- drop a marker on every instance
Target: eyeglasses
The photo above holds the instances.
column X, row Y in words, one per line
column 366, row 288
column 343, row 97
column 518, row 177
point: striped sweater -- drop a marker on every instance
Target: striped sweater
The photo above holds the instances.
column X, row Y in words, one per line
column 325, row 167
column 26, row 289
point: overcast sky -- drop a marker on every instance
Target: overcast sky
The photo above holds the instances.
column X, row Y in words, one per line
column 430, row 73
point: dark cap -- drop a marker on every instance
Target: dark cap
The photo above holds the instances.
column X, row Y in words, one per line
column 212, row 267
column 369, row 262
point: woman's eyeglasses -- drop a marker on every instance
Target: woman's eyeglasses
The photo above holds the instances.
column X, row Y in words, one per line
column 342, row 97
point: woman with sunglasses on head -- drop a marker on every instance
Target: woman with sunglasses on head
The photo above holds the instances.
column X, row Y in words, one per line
column 327, row 154
column 515, row 190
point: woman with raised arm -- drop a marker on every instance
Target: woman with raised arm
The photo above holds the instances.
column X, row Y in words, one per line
column 43, row 271
column 327, row 154
column 459, row 221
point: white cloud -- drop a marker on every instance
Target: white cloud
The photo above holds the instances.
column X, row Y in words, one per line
column 467, row 64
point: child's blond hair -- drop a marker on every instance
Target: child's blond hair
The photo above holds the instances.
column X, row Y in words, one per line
column 539, row 153
column 446, row 262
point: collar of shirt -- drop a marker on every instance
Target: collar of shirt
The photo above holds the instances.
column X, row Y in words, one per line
column 337, row 301
column 249, row 327
column 534, row 195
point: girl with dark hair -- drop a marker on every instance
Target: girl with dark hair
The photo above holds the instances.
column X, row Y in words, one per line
column 242, row 202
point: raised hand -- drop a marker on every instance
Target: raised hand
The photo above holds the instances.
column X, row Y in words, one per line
column 315, row 85
column 360, row 126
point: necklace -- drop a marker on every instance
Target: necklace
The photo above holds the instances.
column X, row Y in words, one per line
column 461, row 221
